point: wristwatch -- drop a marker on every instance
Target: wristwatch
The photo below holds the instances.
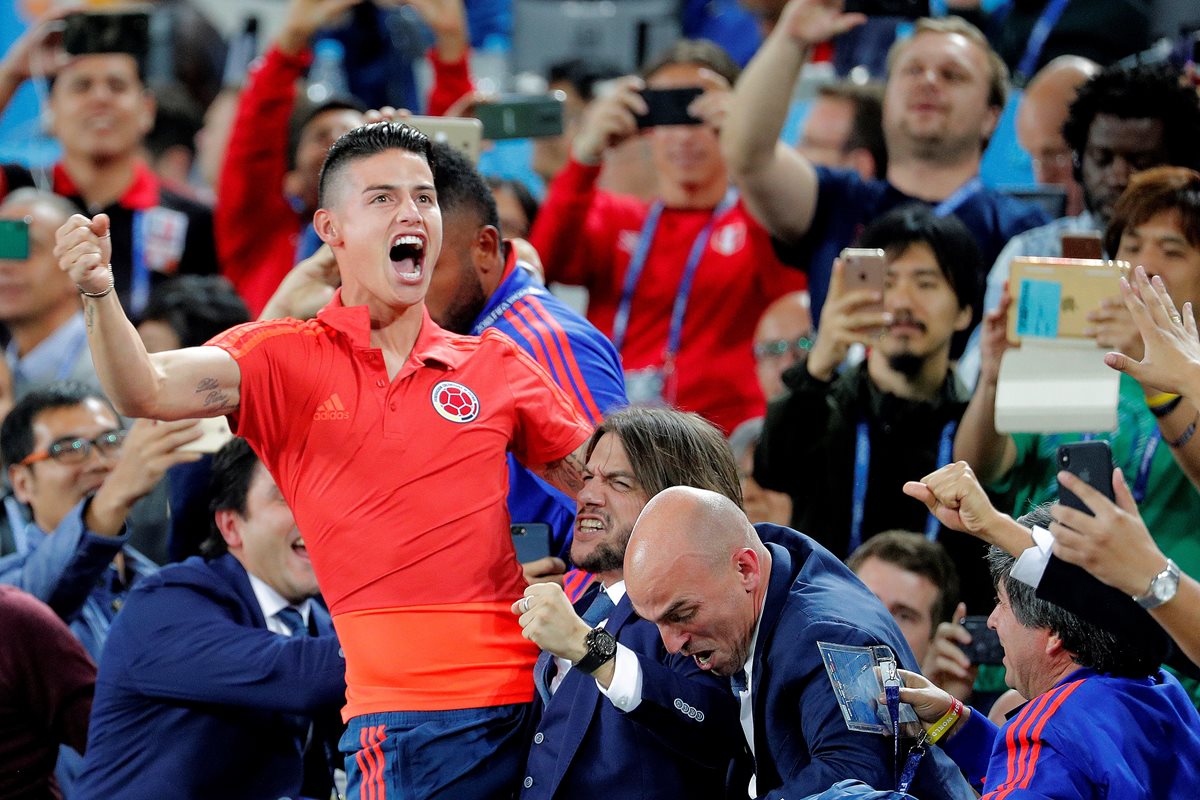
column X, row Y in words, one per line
column 1162, row 587
column 601, row 648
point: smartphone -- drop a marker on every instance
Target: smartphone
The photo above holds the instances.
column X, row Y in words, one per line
column 668, row 107
column 1092, row 463
column 985, row 647
column 214, row 434
column 522, row 116
column 14, row 239
column 1085, row 244
column 531, row 540
column 464, row 134
column 125, row 31
column 908, row 9
column 864, row 268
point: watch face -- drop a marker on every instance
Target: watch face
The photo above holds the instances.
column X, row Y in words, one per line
column 602, row 644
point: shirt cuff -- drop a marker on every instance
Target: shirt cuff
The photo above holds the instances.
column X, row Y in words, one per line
column 1031, row 564
column 625, row 690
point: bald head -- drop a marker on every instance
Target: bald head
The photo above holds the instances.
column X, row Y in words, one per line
column 696, row 568
column 1041, row 114
column 687, row 523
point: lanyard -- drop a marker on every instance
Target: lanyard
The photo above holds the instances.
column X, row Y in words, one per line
column 139, row 283
column 638, row 263
column 1149, row 447
column 1051, row 14
column 862, row 469
column 961, row 195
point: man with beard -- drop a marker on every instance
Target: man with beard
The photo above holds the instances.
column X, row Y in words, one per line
column 839, row 443
column 664, row 728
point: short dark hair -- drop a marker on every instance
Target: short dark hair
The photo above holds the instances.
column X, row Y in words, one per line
column 915, row 553
column 177, row 120
column 701, row 53
column 368, row 140
column 196, row 307
column 950, row 240
column 866, row 129
column 16, row 432
column 583, row 75
column 1088, row 645
column 529, row 204
column 306, row 111
column 1152, row 192
column 232, row 472
column 460, row 187
column 672, row 448
column 1145, row 91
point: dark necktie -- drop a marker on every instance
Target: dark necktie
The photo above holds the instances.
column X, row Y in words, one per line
column 293, row 619
column 738, row 681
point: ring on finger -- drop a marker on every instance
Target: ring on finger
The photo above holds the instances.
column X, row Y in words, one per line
column 1177, row 319
column 524, row 605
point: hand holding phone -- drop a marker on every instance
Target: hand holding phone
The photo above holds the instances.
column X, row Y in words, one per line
column 1091, row 462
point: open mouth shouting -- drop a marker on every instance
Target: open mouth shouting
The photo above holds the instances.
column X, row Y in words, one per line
column 299, row 549
column 703, row 660
column 407, row 253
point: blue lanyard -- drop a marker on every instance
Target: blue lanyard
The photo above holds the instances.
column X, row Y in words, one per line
column 1051, row 14
column 1141, row 481
column 961, row 195
column 638, row 263
column 139, row 281
column 862, row 469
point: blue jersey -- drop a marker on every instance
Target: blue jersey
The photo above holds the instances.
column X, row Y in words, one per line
column 1091, row 736
column 577, row 356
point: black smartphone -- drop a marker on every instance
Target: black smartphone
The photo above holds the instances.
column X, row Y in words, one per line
column 126, row 31
column 985, row 647
column 531, row 540
column 1092, row 463
column 908, row 9
column 668, row 107
column 14, row 239
column 522, row 117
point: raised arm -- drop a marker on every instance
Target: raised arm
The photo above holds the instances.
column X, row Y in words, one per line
column 990, row 453
column 778, row 184
column 177, row 384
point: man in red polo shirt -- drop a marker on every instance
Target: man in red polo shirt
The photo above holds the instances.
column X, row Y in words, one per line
column 387, row 437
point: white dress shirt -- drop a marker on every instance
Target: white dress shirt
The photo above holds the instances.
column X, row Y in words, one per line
column 615, row 593
column 272, row 602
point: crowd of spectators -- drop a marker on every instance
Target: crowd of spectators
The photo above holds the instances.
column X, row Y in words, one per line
column 339, row 464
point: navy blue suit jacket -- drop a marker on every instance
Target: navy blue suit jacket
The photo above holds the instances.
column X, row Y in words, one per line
column 195, row 697
column 677, row 743
column 802, row 743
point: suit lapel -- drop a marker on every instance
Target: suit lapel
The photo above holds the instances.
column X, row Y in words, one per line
column 232, row 571
column 778, row 590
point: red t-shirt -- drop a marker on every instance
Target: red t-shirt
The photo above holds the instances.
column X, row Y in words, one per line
column 400, row 492
column 588, row 237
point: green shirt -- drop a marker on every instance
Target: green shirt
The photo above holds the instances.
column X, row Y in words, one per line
column 1171, row 506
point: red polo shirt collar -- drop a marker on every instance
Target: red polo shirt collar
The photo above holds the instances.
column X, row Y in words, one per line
column 433, row 343
column 142, row 192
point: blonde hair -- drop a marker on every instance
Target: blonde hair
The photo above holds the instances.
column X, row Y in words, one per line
column 997, row 69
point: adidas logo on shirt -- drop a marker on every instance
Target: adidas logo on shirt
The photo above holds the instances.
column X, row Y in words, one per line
column 331, row 409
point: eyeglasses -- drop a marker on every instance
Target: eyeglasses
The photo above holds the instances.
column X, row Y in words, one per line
column 773, row 348
column 75, row 450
